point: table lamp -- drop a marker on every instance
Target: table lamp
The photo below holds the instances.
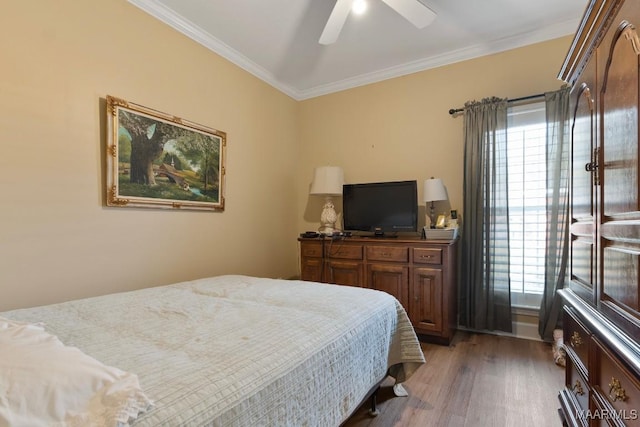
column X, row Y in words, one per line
column 434, row 191
column 327, row 182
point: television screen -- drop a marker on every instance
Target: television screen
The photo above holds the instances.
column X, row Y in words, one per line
column 380, row 206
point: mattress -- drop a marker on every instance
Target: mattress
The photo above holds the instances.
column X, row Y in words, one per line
column 242, row 351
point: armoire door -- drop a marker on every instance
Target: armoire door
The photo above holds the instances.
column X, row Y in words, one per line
column 620, row 213
column 583, row 229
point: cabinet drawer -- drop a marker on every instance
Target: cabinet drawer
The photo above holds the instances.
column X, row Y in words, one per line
column 343, row 251
column 387, row 253
column 576, row 338
column 578, row 388
column 427, row 255
column 311, row 249
column 616, row 386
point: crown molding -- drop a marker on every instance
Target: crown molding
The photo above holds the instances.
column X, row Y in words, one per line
column 189, row 29
column 547, row 33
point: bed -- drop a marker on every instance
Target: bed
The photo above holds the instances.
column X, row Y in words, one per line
column 221, row 351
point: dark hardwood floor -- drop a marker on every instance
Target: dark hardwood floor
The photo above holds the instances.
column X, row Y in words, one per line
column 479, row 380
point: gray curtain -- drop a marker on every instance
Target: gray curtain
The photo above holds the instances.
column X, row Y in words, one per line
column 556, row 253
column 485, row 300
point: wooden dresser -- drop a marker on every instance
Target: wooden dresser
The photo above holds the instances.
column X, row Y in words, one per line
column 601, row 320
column 421, row 274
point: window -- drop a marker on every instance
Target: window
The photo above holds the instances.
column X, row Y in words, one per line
column 526, row 162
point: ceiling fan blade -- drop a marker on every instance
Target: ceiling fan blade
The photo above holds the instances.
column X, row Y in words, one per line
column 335, row 22
column 413, row 11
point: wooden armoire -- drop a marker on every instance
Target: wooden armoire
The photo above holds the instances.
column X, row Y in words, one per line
column 601, row 313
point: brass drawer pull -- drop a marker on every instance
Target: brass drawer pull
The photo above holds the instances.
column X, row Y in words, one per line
column 426, row 256
column 576, row 339
column 578, row 388
column 618, row 391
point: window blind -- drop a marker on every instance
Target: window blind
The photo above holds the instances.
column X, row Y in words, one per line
column 526, row 172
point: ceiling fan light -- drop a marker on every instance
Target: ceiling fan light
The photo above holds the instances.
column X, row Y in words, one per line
column 412, row 10
column 359, row 7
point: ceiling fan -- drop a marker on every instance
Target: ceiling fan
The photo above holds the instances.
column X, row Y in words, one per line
column 412, row 10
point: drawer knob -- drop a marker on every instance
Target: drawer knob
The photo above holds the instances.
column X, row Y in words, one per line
column 577, row 387
column 426, row 256
column 618, row 392
column 576, row 339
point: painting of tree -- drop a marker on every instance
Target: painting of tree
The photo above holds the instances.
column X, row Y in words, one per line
column 203, row 151
column 159, row 160
column 148, row 137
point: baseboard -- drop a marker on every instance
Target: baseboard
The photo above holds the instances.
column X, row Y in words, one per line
column 522, row 330
column 527, row 331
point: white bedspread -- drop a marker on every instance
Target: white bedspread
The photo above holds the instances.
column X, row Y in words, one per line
column 44, row 383
column 243, row 351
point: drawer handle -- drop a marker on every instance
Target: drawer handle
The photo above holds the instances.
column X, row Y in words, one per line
column 618, row 391
column 576, row 340
column 578, row 388
column 426, row 256
column 386, row 254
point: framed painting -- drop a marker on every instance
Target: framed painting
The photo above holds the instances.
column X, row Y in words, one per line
column 156, row 160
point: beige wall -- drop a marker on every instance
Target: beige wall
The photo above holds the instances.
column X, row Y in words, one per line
column 60, row 59
column 401, row 128
column 57, row 240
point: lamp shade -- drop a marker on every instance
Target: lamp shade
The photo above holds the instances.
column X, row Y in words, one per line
column 434, row 190
column 327, row 180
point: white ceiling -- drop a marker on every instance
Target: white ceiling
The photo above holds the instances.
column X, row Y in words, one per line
column 277, row 40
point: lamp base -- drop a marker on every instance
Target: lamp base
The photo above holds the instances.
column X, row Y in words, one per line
column 432, row 216
column 328, row 217
column 327, row 231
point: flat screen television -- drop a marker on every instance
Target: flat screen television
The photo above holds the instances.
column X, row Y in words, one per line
column 380, row 207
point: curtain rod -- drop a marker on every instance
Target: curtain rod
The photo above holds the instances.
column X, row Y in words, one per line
column 524, row 98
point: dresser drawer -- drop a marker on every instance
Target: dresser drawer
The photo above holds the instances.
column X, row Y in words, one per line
column 387, row 253
column 311, row 249
column 427, row 255
column 616, row 386
column 578, row 388
column 338, row 250
column 576, row 338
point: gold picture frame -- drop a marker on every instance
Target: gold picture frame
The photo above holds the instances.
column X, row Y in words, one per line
column 156, row 160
